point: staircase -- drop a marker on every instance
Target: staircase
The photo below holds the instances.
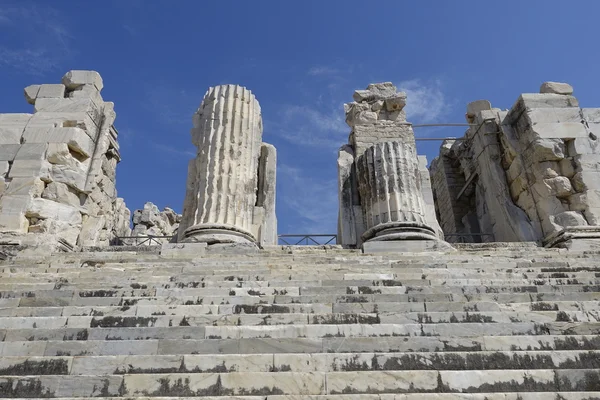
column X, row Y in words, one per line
column 300, row 323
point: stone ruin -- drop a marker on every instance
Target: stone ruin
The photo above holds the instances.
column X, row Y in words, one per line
column 384, row 189
column 150, row 221
column 214, row 317
column 230, row 195
column 58, row 168
column 531, row 173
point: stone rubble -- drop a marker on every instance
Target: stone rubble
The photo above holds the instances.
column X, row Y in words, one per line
column 381, row 190
column 150, row 221
column 527, row 174
column 57, row 166
column 230, row 194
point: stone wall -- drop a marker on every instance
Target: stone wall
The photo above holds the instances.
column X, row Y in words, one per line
column 58, row 166
column 530, row 173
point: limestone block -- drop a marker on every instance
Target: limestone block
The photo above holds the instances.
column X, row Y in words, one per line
column 77, row 78
column 267, row 182
column 560, row 186
column 61, row 193
column 586, row 180
column 58, row 153
column 75, row 138
column 90, row 230
column 30, row 168
column 553, row 115
column 31, row 186
column 570, row 218
column 547, row 150
column 396, row 102
column 83, row 120
column 475, row 107
column 182, row 250
column 347, row 235
column 8, row 151
column 591, row 115
column 567, row 167
column 48, row 209
column 12, row 213
column 562, row 130
column 108, row 187
column 12, row 127
column 51, row 91
column 580, row 146
column 31, row 151
column 556, row 87
column 515, row 169
column 545, row 100
column 73, row 177
column 31, row 93
column 4, row 168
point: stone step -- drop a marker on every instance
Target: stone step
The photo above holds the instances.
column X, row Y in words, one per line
column 319, row 362
column 57, row 298
column 163, row 316
column 143, row 341
column 305, row 383
column 403, row 396
column 147, row 310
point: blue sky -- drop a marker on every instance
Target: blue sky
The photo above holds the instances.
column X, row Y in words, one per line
column 303, row 60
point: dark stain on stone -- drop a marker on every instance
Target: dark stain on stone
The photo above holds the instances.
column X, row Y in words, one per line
column 44, row 367
column 541, row 306
column 27, row 387
column 122, row 322
column 260, row 309
column 98, row 293
column 138, row 286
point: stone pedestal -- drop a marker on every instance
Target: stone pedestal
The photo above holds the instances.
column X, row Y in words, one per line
column 390, row 190
column 223, row 181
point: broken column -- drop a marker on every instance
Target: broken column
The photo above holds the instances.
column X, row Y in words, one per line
column 381, row 196
column 58, row 167
column 230, row 194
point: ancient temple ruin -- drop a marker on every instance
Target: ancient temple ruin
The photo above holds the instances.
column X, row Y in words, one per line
column 221, row 320
column 530, row 173
column 380, row 184
column 230, row 195
column 58, row 168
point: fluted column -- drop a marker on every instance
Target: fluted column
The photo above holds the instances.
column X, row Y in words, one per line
column 390, row 190
column 221, row 193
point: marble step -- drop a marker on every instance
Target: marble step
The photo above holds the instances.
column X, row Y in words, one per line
column 305, row 383
column 10, row 308
column 181, row 340
column 403, row 396
column 158, row 316
column 319, row 362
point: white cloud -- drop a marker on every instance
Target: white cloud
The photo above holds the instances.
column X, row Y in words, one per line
column 42, row 43
column 311, row 197
column 167, row 149
column 304, row 125
column 426, row 100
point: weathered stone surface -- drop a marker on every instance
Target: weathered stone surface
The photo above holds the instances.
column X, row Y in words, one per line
column 75, row 79
column 556, row 87
column 379, row 175
column 220, row 205
column 66, row 150
column 546, row 157
column 151, row 221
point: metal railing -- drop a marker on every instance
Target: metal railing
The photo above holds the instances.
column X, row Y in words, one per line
column 148, row 240
column 464, row 237
column 307, row 239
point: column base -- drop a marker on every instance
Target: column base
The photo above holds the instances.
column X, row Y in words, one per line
column 399, row 231
column 217, row 233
